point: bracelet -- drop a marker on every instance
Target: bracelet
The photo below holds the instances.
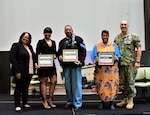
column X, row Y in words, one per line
column 137, row 62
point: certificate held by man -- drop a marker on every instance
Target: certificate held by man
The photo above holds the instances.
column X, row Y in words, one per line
column 45, row 60
column 70, row 55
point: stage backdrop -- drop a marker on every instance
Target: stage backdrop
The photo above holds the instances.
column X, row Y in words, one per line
column 87, row 17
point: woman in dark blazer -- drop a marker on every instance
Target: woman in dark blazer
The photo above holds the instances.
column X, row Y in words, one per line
column 22, row 58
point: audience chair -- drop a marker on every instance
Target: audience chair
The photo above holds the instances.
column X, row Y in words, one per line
column 142, row 80
column 34, row 82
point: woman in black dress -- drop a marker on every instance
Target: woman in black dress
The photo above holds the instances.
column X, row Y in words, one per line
column 47, row 46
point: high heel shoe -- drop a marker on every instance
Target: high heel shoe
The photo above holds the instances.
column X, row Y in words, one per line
column 50, row 102
column 45, row 105
column 53, row 105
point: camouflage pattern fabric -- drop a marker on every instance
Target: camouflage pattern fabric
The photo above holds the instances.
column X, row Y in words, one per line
column 127, row 45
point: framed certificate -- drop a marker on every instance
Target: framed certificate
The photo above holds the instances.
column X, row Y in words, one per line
column 70, row 55
column 106, row 58
column 45, row 60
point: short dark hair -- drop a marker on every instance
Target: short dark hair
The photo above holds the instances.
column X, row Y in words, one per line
column 68, row 25
column 47, row 30
column 105, row 31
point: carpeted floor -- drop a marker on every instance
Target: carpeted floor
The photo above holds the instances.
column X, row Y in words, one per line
column 90, row 107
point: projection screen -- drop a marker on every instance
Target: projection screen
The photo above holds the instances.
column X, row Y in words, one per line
column 87, row 17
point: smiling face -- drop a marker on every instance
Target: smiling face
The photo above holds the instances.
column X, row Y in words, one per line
column 105, row 37
column 124, row 27
column 47, row 35
column 68, row 31
column 25, row 39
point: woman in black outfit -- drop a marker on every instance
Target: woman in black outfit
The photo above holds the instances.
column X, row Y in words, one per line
column 22, row 58
column 47, row 46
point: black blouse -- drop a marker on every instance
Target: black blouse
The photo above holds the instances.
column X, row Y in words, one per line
column 43, row 48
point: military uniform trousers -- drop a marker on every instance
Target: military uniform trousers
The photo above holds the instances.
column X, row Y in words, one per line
column 127, row 80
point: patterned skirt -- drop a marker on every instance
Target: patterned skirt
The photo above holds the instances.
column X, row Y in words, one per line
column 107, row 81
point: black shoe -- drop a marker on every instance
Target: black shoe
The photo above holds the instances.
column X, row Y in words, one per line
column 112, row 107
column 68, row 106
column 101, row 106
column 77, row 108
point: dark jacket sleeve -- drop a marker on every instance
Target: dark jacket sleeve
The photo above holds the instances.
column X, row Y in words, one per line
column 60, row 47
column 54, row 47
column 13, row 58
column 59, row 52
column 82, row 51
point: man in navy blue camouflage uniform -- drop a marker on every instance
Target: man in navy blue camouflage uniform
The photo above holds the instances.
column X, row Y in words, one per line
column 130, row 49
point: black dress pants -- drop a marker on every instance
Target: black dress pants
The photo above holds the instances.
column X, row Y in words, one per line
column 21, row 90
